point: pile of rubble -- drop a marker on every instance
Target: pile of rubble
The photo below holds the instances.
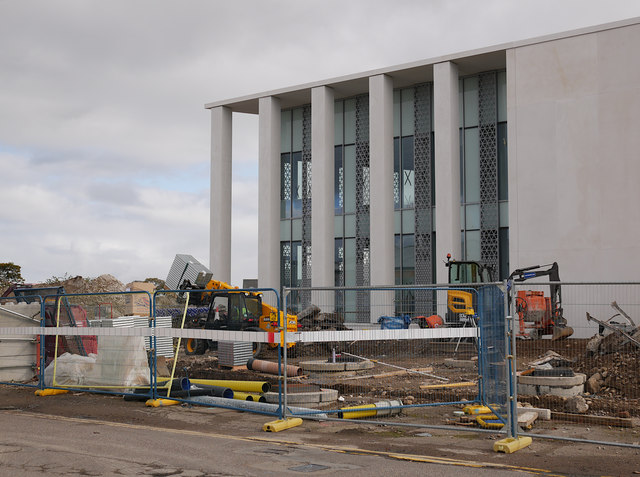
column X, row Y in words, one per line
column 103, row 284
column 313, row 319
column 611, row 358
column 612, row 374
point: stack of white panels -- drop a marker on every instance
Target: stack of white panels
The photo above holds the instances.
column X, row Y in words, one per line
column 184, row 267
column 164, row 345
column 234, row 353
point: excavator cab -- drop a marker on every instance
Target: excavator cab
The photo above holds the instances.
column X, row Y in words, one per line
column 461, row 304
column 468, row 272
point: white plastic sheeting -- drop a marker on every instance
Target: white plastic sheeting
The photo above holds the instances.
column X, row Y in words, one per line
column 121, row 363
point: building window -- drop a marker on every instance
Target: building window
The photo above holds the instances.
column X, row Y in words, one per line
column 351, row 203
column 413, row 195
column 483, row 171
column 295, row 199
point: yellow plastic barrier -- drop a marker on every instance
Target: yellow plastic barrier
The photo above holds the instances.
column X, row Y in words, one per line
column 161, row 402
column 511, row 444
column 282, row 424
column 489, row 421
column 476, row 409
column 50, row 392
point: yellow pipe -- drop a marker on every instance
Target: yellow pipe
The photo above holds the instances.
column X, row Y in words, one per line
column 448, row 385
column 248, row 396
column 356, row 412
column 55, row 353
column 242, row 386
column 382, row 408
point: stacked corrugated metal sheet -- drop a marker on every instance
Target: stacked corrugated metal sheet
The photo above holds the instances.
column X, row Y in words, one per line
column 234, row 353
column 184, row 267
column 164, row 345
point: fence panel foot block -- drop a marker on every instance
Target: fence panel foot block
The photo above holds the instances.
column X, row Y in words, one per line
column 511, row 444
column 281, row 424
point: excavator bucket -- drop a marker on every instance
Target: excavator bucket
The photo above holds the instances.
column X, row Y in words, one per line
column 561, row 333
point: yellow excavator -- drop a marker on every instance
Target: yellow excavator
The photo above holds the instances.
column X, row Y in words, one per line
column 232, row 309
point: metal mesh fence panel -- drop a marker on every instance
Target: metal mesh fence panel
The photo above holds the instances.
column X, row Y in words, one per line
column 407, row 368
column 577, row 354
column 494, row 348
column 225, row 348
column 73, row 351
column 20, row 353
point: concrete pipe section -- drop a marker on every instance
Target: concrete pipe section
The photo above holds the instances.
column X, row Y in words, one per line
column 563, row 386
column 270, row 367
column 323, row 366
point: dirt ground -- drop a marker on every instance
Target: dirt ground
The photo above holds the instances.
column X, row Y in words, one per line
column 620, row 397
column 542, row 457
column 416, row 431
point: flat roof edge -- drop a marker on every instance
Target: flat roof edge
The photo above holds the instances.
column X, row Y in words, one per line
column 427, row 62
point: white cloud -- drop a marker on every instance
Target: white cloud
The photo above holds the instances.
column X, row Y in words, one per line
column 104, row 140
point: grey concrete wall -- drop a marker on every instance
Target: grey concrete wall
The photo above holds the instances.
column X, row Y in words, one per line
column 573, row 123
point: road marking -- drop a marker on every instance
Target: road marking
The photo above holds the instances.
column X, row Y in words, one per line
column 328, row 448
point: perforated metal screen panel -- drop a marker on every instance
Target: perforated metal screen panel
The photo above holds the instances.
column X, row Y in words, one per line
column 362, row 206
column 306, row 205
column 488, row 131
column 423, row 194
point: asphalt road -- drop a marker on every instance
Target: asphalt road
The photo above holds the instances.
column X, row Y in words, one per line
column 35, row 444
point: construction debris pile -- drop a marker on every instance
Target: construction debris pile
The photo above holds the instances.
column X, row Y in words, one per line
column 614, row 374
column 103, row 284
column 313, row 319
column 611, row 358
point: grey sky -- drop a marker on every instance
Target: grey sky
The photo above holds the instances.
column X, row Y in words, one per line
column 104, row 141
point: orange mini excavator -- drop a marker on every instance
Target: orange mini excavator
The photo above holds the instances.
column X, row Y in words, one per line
column 539, row 314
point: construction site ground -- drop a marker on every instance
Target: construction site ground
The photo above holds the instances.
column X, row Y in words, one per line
column 459, row 445
column 395, row 443
column 620, row 398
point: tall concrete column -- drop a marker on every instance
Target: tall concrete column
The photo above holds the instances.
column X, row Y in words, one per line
column 220, row 197
column 269, row 194
column 322, row 190
column 447, row 165
column 381, row 194
column 381, row 179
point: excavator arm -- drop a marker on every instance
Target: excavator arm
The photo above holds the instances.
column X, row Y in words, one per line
column 560, row 328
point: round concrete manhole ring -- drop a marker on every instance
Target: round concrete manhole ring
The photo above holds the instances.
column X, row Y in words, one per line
column 561, row 381
column 324, row 366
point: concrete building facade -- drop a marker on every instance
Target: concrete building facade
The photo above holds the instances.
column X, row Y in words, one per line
column 515, row 155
